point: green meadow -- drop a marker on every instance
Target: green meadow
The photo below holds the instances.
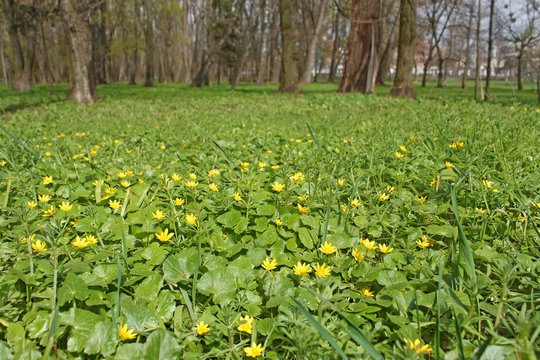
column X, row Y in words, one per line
column 173, row 222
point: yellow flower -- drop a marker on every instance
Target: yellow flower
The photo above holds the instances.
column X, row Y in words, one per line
column 213, row 173
column 303, row 198
column 191, row 184
column 125, row 183
column 65, row 206
column 244, row 165
column 421, row 199
column 126, row 334
column 254, row 350
column 192, row 176
column 140, row 181
column 343, row 208
column 114, row 204
column 321, row 270
column 399, row 155
column 453, row 146
column 487, row 184
column 424, row 243
column 298, row 176
column 47, row 180
column 303, row 210
column 449, row 165
column 355, row 202
column 90, row 239
column 47, row 154
column 385, row 249
column 79, row 243
column 278, row 222
column 337, row 150
column 164, row 236
column 121, row 175
column 269, row 265
column 275, row 167
column 213, row 187
column 202, row 328
column 277, row 187
column 176, row 177
column 179, row 202
column 49, row 212
column 413, row 345
column 247, row 326
column 370, row 245
column 262, row 165
column 191, row 219
column 367, row 292
column 31, row 204
column 390, row 188
column 358, row 256
column 480, row 211
column 158, row 215
column 163, row 147
column 110, row 190
column 413, row 138
column 383, row 197
column 39, row 246
column 403, row 148
column 301, row 269
column 328, row 248
column 237, row 197
column 44, row 198
column 340, row 182
column 129, row 173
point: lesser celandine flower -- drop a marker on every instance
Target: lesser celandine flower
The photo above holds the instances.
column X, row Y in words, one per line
column 125, row 183
column 39, row 246
column 321, row 270
column 192, row 176
column 114, row 204
column 121, row 174
column 370, row 245
column 303, row 210
column 164, row 235
column 390, row 188
column 328, row 248
column 126, row 334
column 44, row 198
column 90, row 239
column 403, row 148
column 278, row 222
column 298, row 176
column 367, row 292
column 269, row 265
column 262, row 165
column 487, row 184
column 340, row 182
column 385, row 249
column 247, row 325
column 277, row 187
column 179, row 202
column 244, row 165
column 254, row 350
column 413, row 345
column 358, row 256
column 421, row 199
column 355, row 202
column 65, row 206
column 301, row 269
column 49, row 212
column 176, row 177
column 213, row 173
column 191, row 219
column 399, row 155
column 47, row 180
column 480, row 211
column 202, row 328
column 237, row 197
column 79, row 243
column 110, row 190
column 383, row 197
column 31, row 204
column 213, row 187
column 192, row 184
column 448, row 165
column 275, row 167
column 158, row 215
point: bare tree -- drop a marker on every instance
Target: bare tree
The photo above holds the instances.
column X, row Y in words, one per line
column 288, row 79
column 407, row 34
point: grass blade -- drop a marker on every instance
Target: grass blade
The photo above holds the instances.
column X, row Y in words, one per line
column 327, row 218
column 119, row 283
column 461, row 351
column 314, row 137
column 321, row 330
column 478, row 354
column 188, row 305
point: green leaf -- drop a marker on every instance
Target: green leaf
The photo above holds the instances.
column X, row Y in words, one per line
column 133, row 351
column 230, row 219
column 149, row 288
column 218, row 284
column 154, row 254
column 83, row 323
column 307, row 237
column 5, row 351
column 180, row 267
column 102, row 340
column 161, row 345
column 137, row 314
column 442, row 230
column 73, row 288
column 266, row 210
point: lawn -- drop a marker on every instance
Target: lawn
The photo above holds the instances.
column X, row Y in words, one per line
column 173, row 222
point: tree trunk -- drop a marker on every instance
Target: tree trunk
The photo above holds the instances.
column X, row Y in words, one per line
column 468, row 48
column 82, row 80
column 490, row 49
column 2, row 57
column 335, row 49
column 239, row 66
column 261, row 64
column 149, row 40
column 360, row 62
column 477, row 86
column 305, row 77
column 407, row 33
column 520, row 69
column 440, row 72
column 288, row 79
column 426, row 66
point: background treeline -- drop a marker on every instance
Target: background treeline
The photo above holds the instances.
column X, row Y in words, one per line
column 294, row 42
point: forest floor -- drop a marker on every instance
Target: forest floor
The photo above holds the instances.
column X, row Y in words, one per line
column 205, row 223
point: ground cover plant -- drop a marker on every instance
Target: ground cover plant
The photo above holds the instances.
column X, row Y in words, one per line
column 172, row 222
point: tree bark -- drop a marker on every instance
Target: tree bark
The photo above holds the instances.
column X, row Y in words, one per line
column 149, row 41
column 520, row 68
column 468, row 48
column 305, row 77
column 335, row 49
column 261, row 64
column 406, row 49
column 490, row 49
column 288, row 79
column 82, row 80
column 360, row 62
column 477, row 86
column 426, row 66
